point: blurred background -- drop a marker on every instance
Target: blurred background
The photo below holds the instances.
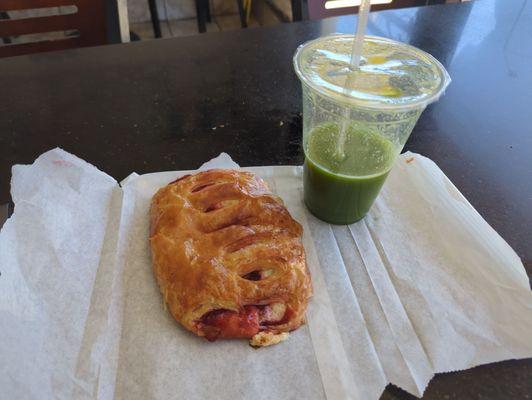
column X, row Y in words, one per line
column 180, row 17
column 42, row 25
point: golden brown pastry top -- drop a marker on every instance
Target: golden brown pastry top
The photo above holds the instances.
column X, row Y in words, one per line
column 228, row 256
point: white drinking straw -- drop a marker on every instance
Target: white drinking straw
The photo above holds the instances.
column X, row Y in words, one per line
column 356, row 54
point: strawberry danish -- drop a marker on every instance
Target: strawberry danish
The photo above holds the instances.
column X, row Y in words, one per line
column 228, row 257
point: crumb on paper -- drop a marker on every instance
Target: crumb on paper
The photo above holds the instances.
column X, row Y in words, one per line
column 266, row 338
column 409, row 160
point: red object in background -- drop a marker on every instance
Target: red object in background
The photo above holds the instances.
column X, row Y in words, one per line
column 89, row 21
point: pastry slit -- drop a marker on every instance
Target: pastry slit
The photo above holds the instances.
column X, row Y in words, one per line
column 179, row 179
column 236, row 221
column 213, row 207
column 244, row 242
column 258, row 274
column 201, row 187
column 219, row 205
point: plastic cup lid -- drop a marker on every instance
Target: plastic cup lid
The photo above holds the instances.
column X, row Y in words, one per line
column 392, row 75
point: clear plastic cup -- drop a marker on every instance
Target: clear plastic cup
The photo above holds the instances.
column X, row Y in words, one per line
column 356, row 122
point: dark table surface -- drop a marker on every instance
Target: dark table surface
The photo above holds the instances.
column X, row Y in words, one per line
column 174, row 103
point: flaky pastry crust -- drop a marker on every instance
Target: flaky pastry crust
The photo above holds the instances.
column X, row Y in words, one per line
column 228, row 257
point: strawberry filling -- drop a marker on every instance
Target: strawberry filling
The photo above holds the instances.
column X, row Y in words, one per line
column 241, row 325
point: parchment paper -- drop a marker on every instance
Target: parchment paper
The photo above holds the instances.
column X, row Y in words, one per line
column 55, row 264
column 422, row 285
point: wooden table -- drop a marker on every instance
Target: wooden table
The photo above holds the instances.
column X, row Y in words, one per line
column 173, row 103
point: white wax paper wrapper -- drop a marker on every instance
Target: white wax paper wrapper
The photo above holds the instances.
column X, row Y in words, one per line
column 55, row 264
column 422, row 285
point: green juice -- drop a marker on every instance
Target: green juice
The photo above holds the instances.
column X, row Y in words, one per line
column 341, row 189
